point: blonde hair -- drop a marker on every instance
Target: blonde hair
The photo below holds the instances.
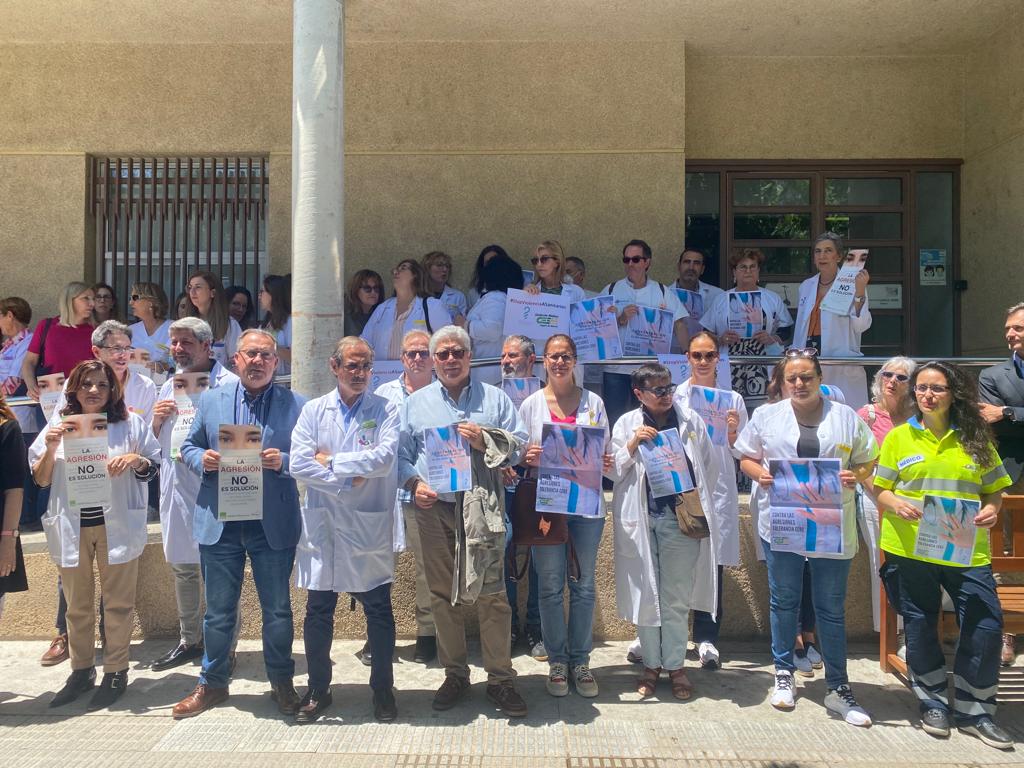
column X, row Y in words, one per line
column 555, row 249
column 66, row 302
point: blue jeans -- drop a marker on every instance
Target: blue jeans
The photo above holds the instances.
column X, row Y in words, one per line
column 318, row 632
column 512, row 586
column 223, row 566
column 675, row 558
column 828, row 593
column 569, row 644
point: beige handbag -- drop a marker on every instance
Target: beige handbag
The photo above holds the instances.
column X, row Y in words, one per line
column 690, row 516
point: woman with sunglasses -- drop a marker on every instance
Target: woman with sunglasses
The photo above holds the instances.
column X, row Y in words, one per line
column 831, row 334
column 438, row 267
column 703, row 356
column 106, row 304
column 364, row 294
column 410, row 309
column 568, row 644
column 485, row 321
column 276, row 303
column 207, row 301
column 660, row 572
column 153, row 330
column 945, row 452
column 549, row 273
column 890, row 406
column 112, row 535
column 751, row 381
column 807, row 425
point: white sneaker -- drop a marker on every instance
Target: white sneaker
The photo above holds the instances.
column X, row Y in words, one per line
column 814, row 657
column 708, row 655
column 802, row 664
column 558, row 679
column 586, row 685
column 634, row 655
column 841, row 701
column 782, row 695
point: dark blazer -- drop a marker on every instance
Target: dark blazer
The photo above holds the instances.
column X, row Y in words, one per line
column 1001, row 385
column 281, row 521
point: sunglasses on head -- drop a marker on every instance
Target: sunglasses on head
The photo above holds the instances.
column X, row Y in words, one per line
column 633, row 259
column 805, row 352
column 443, row 354
column 667, row 389
column 542, row 260
column 900, row 377
column 703, row 357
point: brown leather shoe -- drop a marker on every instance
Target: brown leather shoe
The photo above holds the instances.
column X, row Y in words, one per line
column 287, row 698
column 452, row 689
column 1009, row 652
column 56, row 653
column 201, row 699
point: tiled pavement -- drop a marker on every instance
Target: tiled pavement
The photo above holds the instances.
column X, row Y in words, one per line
column 727, row 725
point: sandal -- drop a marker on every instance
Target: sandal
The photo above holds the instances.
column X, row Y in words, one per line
column 682, row 688
column 646, row 683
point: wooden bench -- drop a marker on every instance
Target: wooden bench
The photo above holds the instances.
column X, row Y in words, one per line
column 1005, row 559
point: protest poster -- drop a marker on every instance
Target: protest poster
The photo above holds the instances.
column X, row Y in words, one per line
column 806, row 506
column 839, row 299
column 85, row 461
column 535, row 316
column 187, row 388
column 520, row 389
column 712, row 405
column 571, row 461
column 51, row 386
column 665, row 464
column 594, row 329
column 694, row 303
column 385, row 371
column 448, row 462
column 679, row 367
column 745, row 315
column 648, row 332
column 240, row 474
column 946, row 531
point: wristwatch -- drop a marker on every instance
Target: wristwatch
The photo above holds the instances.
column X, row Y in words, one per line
column 14, row 534
column 1008, row 413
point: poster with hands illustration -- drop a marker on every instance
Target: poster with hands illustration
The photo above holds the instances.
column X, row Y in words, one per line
column 946, row 531
column 806, row 506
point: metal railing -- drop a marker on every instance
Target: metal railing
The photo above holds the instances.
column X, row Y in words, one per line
column 867, row 362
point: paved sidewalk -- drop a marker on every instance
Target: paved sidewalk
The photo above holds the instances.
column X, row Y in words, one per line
column 728, row 723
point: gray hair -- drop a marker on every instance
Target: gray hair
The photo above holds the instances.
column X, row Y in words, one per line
column 109, row 328
column 837, row 241
column 260, row 332
column 196, row 326
column 907, row 365
column 450, row 332
column 526, row 345
column 1018, row 307
column 348, row 342
column 410, row 335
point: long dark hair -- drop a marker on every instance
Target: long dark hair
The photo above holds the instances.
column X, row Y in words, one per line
column 217, row 316
column 477, row 281
column 116, row 409
column 501, row 273
column 976, row 435
column 248, row 319
column 280, row 290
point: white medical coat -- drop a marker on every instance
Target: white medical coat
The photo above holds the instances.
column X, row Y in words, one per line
column 347, row 532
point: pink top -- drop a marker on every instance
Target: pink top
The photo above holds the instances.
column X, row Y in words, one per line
column 66, row 346
column 879, row 421
column 570, row 419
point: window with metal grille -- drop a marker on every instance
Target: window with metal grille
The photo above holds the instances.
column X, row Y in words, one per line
column 160, row 219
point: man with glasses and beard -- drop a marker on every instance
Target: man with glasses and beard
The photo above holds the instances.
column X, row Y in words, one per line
column 487, row 419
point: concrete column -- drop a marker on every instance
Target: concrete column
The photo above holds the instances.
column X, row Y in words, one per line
column 318, row 262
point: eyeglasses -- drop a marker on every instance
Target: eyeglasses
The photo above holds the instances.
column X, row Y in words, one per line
column 356, row 367
column 119, row 350
column 667, row 389
column 103, row 297
column 416, row 354
column 443, row 354
column 747, row 267
column 402, row 268
column 703, row 357
column 560, row 358
column 805, row 352
column 370, row 288
column 252, row 354
column 900, row 377
column 938, row 389
column 633, row 259
column 542, row 260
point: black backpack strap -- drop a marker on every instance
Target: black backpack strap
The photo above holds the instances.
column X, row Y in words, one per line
column 426, row 317
column 42, row 341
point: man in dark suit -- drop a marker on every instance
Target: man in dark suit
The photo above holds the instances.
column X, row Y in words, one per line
column 1002, row 394
column 268, row 541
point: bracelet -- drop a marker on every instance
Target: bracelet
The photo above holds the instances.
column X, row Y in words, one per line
column 15, row 533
